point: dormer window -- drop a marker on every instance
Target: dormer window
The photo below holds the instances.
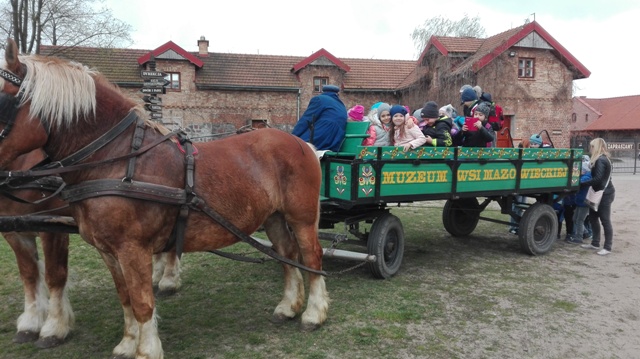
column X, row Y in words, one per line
column 526, row 68
column 318, row 82
column 174, row 81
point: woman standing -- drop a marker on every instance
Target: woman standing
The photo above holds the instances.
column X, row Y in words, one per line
column 601, row 169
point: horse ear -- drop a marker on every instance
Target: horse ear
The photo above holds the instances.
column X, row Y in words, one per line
column 11, row 55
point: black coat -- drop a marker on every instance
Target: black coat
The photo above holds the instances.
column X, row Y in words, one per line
column 440, row 132
column 600, row 174
column 478, row 138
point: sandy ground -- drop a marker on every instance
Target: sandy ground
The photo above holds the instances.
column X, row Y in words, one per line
column 612, row 284
column 602, row 294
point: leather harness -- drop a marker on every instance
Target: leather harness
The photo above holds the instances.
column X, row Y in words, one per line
column 186, row 198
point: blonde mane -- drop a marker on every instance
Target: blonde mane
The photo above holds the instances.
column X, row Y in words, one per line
column 59, row 91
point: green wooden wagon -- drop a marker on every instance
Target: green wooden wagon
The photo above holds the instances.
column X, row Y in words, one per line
column 359, row 184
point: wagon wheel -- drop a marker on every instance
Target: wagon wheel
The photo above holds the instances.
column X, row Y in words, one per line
column 386, row 242
column 460, row 217
column 538, row 229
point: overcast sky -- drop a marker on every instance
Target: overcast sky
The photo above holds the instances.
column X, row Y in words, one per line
column 602, row 35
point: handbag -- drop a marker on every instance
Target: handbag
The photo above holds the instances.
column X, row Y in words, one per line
column 594, row 197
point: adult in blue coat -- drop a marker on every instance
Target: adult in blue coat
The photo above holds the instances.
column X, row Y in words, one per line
column 324, row 121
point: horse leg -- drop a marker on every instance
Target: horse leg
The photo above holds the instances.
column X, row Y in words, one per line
column 306, row 235
column 166, row 273
column 35, row 292
column 159, row 263
column 60, row 319
column 131, row 267
column 126, row 349
column 293, row 298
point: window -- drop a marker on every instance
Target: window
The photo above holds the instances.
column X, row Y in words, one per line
column 174, row 81
column 525, row 68
column 586, row 117
column 318, row 82
column 574, row 117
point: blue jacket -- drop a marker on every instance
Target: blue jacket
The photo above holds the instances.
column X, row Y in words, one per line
column 582, row 193
column 328, row 115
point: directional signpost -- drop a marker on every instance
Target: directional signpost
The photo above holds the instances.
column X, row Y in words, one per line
column 154, row 85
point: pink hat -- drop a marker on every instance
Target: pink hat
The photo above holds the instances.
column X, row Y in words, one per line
column 356, row 112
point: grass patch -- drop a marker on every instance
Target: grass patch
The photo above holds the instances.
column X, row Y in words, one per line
column 448, row 298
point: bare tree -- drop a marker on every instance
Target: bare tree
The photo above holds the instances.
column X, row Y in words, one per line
column 62, row 22
column 440, row 26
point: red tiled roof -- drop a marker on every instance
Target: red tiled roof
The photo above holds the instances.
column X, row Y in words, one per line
column 446, row 45
column 239, row 70
column 167, row 47
column 316, row 55
column 122, row 66
column 483, row 51
column 377, row 74
column 617, row 113
column 221, row 69
column 117, row 65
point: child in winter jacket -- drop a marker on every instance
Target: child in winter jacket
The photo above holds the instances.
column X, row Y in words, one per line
column 582, row 210
column 404, row 133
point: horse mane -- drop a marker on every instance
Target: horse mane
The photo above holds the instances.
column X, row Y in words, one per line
column 60, row 91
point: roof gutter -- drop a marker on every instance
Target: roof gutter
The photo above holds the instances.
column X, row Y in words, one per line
column 246, row 88
column 370, row 90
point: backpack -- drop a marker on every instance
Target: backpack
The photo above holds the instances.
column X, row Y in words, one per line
column 496, row 117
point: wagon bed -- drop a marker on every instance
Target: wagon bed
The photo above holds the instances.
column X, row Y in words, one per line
column 358, row 186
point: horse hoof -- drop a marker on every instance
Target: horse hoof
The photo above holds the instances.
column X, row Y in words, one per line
column 279, row 319
column 48, row 342
column 309, row 327
column 25, row 336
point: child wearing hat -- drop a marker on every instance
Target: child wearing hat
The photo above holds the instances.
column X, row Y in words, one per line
column 380, row 118
column 438, row 128
column 468, row 100
column 582, row 210
column 481, row 134
column 356, row 113
column 404, row 133
column 535, row 141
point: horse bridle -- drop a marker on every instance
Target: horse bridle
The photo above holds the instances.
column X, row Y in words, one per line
column 9, row 105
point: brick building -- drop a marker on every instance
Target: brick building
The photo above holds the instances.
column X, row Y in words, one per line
column 615, row 119
column 527, row 72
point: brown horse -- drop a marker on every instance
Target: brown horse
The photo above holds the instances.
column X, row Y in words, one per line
column 47, row 318
column 265, row 177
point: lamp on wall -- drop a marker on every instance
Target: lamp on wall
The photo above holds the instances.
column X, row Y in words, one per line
column 512, row 54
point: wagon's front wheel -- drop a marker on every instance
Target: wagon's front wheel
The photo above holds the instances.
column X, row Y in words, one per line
column 460, row 216
column 386, row 242
column 538, row 229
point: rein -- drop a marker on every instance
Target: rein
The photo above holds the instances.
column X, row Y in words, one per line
column 186, row 198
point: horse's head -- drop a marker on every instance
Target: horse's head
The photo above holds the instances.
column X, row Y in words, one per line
column 19, row 132
column 40, row 96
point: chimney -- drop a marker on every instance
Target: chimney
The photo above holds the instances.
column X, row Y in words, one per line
column 203, row 47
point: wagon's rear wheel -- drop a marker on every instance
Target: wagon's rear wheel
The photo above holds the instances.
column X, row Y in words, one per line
column 460, row 216
column 386, row 242
column 538, row 229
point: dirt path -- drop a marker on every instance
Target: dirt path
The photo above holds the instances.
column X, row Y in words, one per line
column 606, row 288
column 611, row 284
